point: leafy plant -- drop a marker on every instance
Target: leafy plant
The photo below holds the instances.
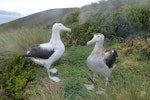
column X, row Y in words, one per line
column 15, row 76
column 72, row 18
column 126, row 21
column 116, row 40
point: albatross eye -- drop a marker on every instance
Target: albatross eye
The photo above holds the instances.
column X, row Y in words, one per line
column 98, row 36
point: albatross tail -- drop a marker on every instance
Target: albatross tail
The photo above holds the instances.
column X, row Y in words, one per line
column 25, row 55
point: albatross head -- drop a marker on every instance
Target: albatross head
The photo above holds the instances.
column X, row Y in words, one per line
column 98, row 37
column 60, row 26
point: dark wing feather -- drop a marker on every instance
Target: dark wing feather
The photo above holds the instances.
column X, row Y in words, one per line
column 111, row 58
column 38, row 52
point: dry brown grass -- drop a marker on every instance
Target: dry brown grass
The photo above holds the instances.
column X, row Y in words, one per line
column 44, row 89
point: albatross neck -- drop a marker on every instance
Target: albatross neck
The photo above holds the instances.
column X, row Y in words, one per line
column 98, row 47
column 55, row 36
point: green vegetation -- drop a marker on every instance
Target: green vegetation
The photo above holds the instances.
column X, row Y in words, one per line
column 125, row 22
column 92, row 10
column 15, row 77
column 119, row 21
column 129, row 80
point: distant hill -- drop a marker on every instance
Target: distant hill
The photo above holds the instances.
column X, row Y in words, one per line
column 87, row 12
column 7, row 16
column 47, row 17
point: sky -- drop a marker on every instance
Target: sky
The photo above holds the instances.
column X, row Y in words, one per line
column 27, row 7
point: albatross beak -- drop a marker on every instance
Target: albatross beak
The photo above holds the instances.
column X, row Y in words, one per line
column 67, row 29
column 90, row 42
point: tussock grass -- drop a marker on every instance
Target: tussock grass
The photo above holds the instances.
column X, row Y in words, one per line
column 43, row 89
column 18, row 41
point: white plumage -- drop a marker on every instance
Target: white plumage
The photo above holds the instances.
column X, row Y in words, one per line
column 99, row 61
column 47, row 53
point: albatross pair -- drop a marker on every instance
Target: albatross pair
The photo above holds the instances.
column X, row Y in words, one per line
column 47, row 53
column 99, row 61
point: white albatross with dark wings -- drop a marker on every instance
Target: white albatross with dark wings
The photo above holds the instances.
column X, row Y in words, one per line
column 47, row 53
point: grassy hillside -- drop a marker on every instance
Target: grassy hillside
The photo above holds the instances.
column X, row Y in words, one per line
column 44, row 18
column 22, row 79
column 129, row 80
column 87, row 12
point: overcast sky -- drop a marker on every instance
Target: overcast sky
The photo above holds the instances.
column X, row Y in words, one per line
column 26, row 7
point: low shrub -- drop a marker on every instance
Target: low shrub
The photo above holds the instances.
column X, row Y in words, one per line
column 80, row 34
column 15, row 77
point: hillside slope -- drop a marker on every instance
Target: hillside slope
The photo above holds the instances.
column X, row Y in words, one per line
column 6, row 16
column 87, row 12
column 130, row 79
column 38, row 19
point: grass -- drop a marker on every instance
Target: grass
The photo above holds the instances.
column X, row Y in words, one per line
column 18, row 41
column 130, row 80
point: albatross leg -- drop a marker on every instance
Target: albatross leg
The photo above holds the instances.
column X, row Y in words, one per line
column 53, row 70
column 106, row 81
column 94, row 77
column 91, row 87
column 55, row 79
column 101, row 90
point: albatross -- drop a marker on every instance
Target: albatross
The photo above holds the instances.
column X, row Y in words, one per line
column 47, row 53
column 100, row 62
